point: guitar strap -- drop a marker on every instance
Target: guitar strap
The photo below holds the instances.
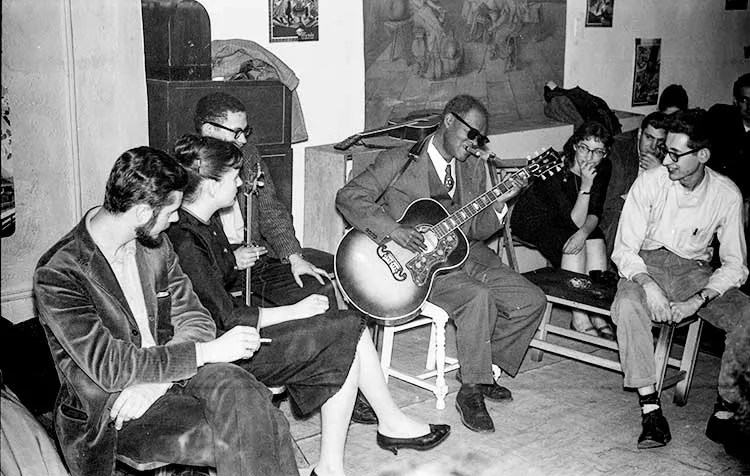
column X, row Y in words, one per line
column 413, row 155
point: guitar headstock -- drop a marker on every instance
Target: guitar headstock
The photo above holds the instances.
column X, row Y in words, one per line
column 252, row 185
column 545, row 164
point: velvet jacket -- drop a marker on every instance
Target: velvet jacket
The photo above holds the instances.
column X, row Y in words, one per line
column 356, row 200
column 96, row 344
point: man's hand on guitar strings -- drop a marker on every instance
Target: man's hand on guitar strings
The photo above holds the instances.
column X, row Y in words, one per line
column 409, row 238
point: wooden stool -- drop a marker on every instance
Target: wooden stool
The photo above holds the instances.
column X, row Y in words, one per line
column 437, row 363
column 577, row 291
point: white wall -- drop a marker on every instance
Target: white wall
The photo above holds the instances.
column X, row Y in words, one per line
column 702, row 49
column 74, row 70
column 331, row 71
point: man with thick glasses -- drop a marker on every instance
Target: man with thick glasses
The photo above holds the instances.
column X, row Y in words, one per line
column 662, row 251
column 496, row 310
column 632, row 153
column 282, row 272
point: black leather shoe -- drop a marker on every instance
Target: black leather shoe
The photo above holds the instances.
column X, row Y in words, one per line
column 721, row 429
column 655, row 430
column 491, row 391
column 437, row 434
column 474, row 414
column 363, row 412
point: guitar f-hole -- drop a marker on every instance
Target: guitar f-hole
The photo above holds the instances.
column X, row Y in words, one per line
column 392, row 262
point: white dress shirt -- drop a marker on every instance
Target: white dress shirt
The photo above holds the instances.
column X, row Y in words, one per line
column 661, row 213
column 440, row 164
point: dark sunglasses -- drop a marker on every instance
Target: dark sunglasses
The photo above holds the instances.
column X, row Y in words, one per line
column 237, row 132
column 473, row 134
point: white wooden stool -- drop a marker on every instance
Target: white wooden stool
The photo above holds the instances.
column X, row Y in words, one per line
column 437, row 363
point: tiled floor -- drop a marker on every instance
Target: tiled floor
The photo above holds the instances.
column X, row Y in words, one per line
column 567, row 418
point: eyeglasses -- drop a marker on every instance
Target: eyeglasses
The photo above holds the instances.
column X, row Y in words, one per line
column 676, row 156
column 237, row 132
column 473, row 134
column 584, row 149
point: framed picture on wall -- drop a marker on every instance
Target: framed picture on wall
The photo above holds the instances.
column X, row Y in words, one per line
column 736, row 5
column 293, row 20
column 599, row 12
column 646, row 71
column 8, row 192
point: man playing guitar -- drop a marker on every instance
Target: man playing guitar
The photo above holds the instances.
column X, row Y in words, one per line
column 496, row 310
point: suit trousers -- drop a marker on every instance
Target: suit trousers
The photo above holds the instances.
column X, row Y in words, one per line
column 221, row 417
column 496, row 312
column 680, row 278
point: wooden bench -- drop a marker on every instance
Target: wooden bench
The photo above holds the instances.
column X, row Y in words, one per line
column 577, row 291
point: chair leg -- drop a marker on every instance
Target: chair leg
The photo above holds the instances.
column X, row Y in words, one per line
column 386, row 351
column 687, row 362
column 441, row 388
column 661, row 354
column 430, row 364
column 541, row 333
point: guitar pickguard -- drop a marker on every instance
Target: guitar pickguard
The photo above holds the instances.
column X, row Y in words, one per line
column 392, row 262
column 421, row 265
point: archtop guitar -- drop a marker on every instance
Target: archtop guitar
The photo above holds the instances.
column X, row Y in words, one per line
column 389, row 282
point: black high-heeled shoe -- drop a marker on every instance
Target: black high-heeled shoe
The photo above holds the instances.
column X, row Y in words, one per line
column 437, row 434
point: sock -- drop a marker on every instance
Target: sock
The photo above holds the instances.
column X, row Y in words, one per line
column 649, row 402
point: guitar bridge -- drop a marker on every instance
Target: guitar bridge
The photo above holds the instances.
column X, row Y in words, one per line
column 392, row 262
column 421, row 265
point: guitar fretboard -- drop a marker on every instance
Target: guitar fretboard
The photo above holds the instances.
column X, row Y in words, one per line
column 471, row 209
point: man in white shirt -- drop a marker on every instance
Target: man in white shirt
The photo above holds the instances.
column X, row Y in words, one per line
column 142, row 372
column 662, row 251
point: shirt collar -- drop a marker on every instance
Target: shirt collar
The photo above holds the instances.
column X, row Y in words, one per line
column 438, row 161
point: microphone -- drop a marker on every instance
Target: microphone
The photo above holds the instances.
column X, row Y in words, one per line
column 488, row 156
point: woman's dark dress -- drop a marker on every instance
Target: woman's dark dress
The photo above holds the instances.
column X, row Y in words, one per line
column 541, row 215
column 312, row 357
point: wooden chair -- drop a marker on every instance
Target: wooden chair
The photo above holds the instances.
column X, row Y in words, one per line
column 437, row 363
column 597, row 299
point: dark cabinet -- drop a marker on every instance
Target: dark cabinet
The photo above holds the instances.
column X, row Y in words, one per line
column 171, row 107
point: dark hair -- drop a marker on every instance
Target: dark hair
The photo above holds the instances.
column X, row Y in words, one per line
column 673, row 95
column 205, row 158
column 587, row 129
column 143, row 175
column 693, row 123
column 657, row 120
column 214, row 108
column 742, row 82
column 464, row 103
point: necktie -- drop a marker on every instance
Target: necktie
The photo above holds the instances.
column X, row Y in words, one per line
column 449, row 182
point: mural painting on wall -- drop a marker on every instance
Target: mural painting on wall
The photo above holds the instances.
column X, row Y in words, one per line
column 420, row 53
column 293, row 20
column 646, row 74
column 8, row 194
column 599, row 12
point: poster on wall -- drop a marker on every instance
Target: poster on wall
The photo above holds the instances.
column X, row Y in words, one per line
column 599, row 12
column 293, row 20
column 646, row 74
column 736, row 5
column 8, row 194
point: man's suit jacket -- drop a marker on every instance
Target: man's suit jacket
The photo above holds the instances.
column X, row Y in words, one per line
column 96, row 344
column 356, row 200
column 624, row 159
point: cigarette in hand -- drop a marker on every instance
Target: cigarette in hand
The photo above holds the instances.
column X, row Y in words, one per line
column 264, row 340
